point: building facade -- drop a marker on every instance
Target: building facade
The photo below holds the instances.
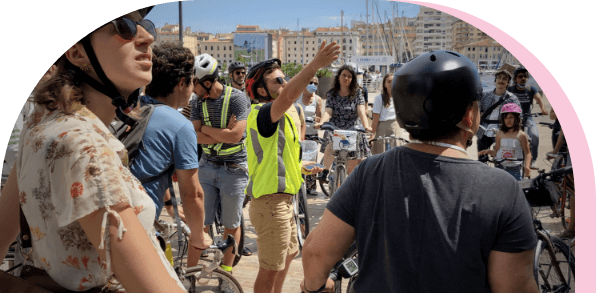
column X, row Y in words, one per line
column 220, row 49
column 433, row 31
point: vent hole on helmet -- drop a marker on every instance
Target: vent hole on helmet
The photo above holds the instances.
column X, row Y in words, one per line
column 204, row 65
column 433, row 57
column 454, row 54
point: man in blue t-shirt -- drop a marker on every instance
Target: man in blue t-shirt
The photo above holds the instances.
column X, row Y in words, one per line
column 170, row 140
column 526, row 96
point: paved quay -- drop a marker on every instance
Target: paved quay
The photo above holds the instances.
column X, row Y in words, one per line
column 246, row 271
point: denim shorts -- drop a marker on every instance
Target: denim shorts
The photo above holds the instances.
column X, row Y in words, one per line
column 223, row 184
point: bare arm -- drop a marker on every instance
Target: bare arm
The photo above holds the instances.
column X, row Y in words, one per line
column 511, row 272
column 362, row 115
column 170, row 208
column 319, row 111
column 375, row 122
column 552, row 115
column 292, row 91
column 225, row 135
column 525, row 143
column 9, row 212
column 302, row 124
column 538, row 99
column 192, row 196
column 202, row 138
column 131, row 255
column 326, row 117
column 318, row 257
column 560, row 141
column 494, row 151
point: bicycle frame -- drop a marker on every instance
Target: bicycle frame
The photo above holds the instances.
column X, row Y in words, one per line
column 545, row 237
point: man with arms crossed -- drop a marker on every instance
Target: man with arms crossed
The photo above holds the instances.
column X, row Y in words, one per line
column 273, row 146
column 219, row 120
column 425, row 216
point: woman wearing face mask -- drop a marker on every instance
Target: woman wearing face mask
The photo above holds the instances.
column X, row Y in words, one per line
column 313, row 107
column 91, row 221
column 384, row 120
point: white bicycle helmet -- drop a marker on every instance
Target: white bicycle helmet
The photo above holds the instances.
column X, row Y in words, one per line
column 205, row 67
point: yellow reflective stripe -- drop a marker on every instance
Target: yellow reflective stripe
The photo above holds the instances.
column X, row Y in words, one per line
column 231, row 150
column 224, row 114
column 213, row 67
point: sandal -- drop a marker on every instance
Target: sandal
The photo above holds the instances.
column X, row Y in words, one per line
column 246, row 251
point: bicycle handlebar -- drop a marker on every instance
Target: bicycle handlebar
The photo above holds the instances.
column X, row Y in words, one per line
column 331, row 127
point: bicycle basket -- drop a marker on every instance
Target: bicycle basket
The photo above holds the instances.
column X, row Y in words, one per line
column 344, row 140
column 309, row 150
column 542, row 193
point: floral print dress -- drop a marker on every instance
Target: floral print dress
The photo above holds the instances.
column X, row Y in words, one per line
column 69, row 166
column 345, row 116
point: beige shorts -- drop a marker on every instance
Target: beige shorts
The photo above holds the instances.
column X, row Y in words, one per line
column 272, row 217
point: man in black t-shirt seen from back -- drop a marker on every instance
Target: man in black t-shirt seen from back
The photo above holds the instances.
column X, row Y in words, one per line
column 425, row 216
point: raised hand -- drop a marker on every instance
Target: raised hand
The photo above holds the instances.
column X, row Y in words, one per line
column 327, row 54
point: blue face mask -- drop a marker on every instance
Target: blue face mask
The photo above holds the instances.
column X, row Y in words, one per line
column 311, row 88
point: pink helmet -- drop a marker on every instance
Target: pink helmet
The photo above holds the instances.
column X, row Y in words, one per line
column 511, row 108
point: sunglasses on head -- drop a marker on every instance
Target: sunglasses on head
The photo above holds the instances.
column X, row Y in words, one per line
column 312, row 82
column 127, row 28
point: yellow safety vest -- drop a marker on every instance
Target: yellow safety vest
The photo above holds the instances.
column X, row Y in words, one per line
column 216, row 148
column 273, row 162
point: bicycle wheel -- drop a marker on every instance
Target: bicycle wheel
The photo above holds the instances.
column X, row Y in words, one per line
column 545, row 268
column 324, row 184
column 339, row 177
column 301, row 216
column 216, row 281
column 216, row 232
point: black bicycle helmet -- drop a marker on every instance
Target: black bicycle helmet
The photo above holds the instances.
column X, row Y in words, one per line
column 106, row 87
column 254, row 78
column 518, row 70
column 432, row 90
column 235, row 65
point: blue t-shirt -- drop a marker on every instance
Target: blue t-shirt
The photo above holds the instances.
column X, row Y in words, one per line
column 169, row 139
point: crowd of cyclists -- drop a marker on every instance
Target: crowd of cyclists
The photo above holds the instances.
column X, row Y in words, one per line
column 426, row 216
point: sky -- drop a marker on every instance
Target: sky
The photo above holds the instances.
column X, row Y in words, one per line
column 222, row 16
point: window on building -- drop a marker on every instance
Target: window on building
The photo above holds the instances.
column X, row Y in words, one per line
column 306, row 55
column 225, row 55
column 350, row 41
column 350, row 48
column 205, row 48
column 224, row 48
column 217, row 48
column 319, row 41
column 230, row 47
column 344, row 47
column 307, row 42
column 217, row 55
column 211, row 48
column 294, row 42
column 289, row 55
column 288, row 42
column 474, row 49
column 294, row 48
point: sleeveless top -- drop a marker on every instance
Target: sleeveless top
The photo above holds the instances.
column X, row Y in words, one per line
column 511, row 151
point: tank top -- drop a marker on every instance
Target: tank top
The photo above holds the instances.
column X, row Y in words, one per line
column 510, row 149
column 309, row 111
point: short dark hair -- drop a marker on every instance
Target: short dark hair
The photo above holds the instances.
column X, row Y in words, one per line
column 171, row 63
column 444, row 133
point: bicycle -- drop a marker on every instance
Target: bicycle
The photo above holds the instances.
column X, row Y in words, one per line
column 203, row 277
column 554, row 262
column 342, row 151
column 346, row 268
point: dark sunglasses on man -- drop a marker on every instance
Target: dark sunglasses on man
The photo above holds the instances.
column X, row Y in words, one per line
column 127, row 28
column 240, row 73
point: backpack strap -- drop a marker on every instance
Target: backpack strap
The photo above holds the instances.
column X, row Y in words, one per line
column 490, row 110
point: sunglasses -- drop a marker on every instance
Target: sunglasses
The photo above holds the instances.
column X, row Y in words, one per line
column 127, row 28
column 279, row 80
column 240, row 73
column 315, row 83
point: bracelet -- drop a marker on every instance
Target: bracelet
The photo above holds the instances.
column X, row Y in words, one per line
column 168, row 202
column 320, row 289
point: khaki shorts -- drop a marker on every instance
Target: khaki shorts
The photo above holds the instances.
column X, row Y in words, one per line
column 272, row 217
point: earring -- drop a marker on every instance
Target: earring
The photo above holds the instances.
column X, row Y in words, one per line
column 85, row 67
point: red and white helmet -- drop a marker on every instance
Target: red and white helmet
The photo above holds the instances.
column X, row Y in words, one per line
column 511, row 108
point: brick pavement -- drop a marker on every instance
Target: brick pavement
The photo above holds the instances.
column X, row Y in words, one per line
column 246, row 271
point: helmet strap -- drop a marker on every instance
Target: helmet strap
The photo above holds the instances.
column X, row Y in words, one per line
column 123, row 106
column 208, row 89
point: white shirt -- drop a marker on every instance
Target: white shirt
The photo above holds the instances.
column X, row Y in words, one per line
column 310, row 111
column 387, row 113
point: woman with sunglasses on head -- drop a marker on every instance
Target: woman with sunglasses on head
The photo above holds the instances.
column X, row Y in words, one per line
column 345, row 105
column 384, row 120
column 313, row 107
column 91, row 220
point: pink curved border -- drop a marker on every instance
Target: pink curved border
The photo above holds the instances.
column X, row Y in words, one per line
column 578, row 144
